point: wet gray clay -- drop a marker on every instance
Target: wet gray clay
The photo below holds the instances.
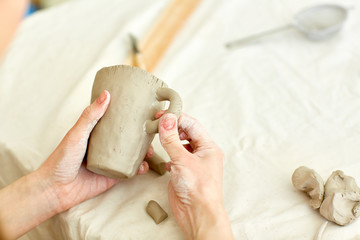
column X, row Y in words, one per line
column 157, row 164
column 156, row 212
column 120, row 140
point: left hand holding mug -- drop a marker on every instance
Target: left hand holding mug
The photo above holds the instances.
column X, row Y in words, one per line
column 64, row 169
column 60, row 183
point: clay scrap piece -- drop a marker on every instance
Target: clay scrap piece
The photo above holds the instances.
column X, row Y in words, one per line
column 310, row 182
column 342, row 199
column 156, row 212
column 157, row 164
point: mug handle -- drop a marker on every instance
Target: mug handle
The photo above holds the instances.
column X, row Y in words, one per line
column 165, row 94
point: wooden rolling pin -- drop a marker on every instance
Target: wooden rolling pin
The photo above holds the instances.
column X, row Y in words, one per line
column 161, row 35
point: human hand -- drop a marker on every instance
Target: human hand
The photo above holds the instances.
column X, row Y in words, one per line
column 70, row 181
column 60, row 183
column 195, row 187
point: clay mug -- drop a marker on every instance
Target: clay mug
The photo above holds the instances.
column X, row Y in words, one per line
column 120, row 140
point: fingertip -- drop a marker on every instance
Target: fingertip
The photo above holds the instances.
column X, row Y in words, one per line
column 150, row 152
column 90, row 116
column 183, row 136
column 168, row 121
column 195, row 132
column 168, row 166
column 169, row 136
column 100, row 105
column 103, row 98
column 108, row 97
column 113, row 181
column 144, row 168
column 159, row 114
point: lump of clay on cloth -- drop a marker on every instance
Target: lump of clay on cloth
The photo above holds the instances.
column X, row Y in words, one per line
column 310, row 182
column 156, row 212
column 342, row 199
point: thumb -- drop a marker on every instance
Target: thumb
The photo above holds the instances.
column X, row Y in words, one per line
column 169, row 136
column 72, row 148
column 89, row 118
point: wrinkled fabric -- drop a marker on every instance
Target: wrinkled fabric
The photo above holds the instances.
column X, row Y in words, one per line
column 272, row 105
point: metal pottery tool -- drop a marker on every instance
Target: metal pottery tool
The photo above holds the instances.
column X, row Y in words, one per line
column 137, row 60
column 316, row 23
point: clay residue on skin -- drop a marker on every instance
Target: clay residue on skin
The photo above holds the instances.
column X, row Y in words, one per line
column 66, row 168
column 188, row 126
column 91, row 126
column 181, row 185
column 192, row 130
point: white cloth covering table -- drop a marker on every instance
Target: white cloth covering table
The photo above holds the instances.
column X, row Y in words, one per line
column 273, row 105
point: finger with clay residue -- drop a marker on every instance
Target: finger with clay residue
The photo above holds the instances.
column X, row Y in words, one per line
column 197, row 135
column 182, row 134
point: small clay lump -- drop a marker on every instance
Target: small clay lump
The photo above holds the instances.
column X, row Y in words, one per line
column 308, row 181
column 338, row 199
column 156, row 212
